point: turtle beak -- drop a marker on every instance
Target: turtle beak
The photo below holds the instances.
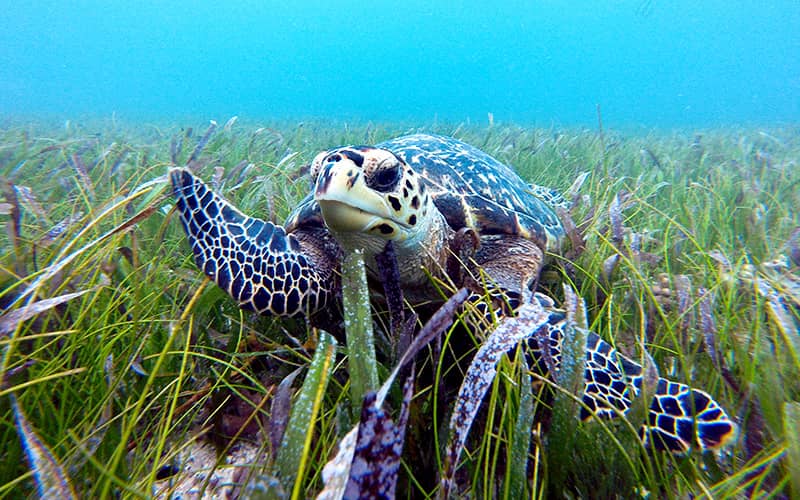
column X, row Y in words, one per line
column 346, row 218
column 347, row 203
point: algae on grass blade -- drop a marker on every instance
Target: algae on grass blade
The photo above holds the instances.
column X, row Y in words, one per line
column 51, row 480
column 293, row 455
column 520, row 442
column 479, row 376
column 358, row 327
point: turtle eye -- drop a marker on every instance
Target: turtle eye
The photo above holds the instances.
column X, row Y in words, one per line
column 385, row 179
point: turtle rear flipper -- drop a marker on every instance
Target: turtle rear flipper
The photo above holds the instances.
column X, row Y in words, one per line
column 256, row 262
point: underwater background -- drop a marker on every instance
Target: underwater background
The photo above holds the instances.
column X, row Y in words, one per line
column 657, row 63
column 670, row 128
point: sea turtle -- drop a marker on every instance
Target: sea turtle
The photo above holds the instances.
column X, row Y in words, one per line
column 429, row 195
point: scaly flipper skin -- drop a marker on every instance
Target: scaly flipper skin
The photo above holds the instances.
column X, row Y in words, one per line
column 680, row 418
column 256, row 262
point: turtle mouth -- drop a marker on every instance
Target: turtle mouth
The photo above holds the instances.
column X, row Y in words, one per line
column 344, row 217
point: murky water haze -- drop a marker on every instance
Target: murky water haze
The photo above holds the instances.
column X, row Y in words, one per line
column 657, row 63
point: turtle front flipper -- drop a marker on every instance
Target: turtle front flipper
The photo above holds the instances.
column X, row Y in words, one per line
column 679, row 413
column 256, row 262
column 679, row 418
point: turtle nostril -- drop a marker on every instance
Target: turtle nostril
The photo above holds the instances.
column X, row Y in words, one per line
column 384, row 179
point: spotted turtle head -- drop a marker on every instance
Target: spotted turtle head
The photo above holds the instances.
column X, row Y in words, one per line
column 370, row 195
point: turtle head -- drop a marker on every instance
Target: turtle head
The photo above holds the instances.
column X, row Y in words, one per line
column 368, row 195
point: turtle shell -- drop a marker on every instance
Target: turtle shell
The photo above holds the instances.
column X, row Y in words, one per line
column 469, row 187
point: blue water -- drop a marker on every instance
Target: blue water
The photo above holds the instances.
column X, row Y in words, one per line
column 645, row 62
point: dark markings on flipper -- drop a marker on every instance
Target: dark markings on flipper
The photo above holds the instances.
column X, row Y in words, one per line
column 680, row 418
column 254, row 261
column 671, row 425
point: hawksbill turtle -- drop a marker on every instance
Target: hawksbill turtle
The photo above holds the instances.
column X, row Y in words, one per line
column 427, row 194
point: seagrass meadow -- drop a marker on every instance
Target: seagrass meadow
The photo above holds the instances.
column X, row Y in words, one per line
column 126, row 373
